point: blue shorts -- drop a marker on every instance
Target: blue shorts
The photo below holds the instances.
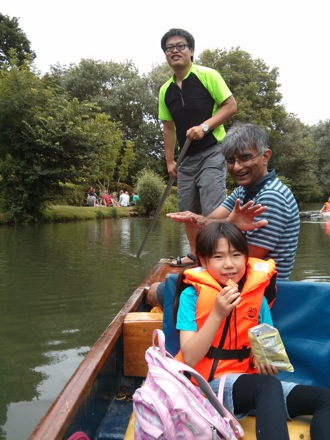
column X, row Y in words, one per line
column 228, row 393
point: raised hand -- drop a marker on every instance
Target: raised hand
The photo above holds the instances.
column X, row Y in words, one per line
column 243, row 216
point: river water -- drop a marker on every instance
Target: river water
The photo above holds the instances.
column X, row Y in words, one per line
column 61, row 285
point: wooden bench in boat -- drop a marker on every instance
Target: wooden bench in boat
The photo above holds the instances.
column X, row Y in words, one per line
column 138, row 329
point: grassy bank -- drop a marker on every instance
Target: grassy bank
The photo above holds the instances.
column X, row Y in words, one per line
column 61, row 213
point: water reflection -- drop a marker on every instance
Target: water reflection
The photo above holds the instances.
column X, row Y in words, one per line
column 312, row 261
column 326, row 227
column 60, row 286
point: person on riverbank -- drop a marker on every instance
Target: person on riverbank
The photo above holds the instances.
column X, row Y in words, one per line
column 326, row 206
column 213, row 304
column 107, row 199
column 92, row 198
column 135, row 198
column 123, row 198
column 194, row 104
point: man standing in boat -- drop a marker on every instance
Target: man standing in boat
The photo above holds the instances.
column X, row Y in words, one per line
column 194, row 104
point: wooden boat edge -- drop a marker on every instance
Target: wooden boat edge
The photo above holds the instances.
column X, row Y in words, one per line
column 57, row 419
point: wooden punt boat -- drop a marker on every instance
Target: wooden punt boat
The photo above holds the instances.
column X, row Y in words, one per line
column 97, row 398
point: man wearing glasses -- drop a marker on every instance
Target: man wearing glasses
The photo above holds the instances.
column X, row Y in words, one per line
column 272, row 232
column 247, row 153
column 194, row 104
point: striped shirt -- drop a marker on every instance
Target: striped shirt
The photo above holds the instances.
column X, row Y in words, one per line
column 280, row 236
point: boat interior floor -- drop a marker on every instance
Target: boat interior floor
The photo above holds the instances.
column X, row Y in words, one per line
column 116, row 420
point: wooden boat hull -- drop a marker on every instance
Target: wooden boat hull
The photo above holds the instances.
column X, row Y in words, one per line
column 97, row 398
column 95, row 382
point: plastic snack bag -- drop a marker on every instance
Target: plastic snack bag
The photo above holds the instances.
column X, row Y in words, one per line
column 268, row 348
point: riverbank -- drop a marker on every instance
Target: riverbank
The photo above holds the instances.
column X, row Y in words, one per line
column 62, row 213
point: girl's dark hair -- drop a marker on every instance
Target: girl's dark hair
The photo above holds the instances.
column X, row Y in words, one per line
column 206, row 243
column 207, row 239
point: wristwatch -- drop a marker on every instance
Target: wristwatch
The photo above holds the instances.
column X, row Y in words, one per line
column 205, row 128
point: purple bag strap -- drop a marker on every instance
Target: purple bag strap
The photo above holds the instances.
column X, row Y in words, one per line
column 221, row 387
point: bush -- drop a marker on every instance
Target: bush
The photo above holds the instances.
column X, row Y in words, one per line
column 150, row 188
column 171, row 204
column 72, row 195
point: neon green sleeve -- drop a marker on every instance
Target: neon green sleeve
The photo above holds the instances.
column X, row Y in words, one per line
column 163, row 112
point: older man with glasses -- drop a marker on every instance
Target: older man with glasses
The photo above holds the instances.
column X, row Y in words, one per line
column 194, row 104
column 247, row 153
column 272, row 232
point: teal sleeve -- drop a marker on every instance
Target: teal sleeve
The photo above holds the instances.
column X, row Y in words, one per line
column 265, row 316
column 186, row 318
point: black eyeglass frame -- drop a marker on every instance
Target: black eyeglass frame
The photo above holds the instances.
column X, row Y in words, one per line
column 180, row 47
column 243, row 159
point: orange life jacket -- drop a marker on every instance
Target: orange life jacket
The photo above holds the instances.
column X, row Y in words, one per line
column 326, row 206
column 244, row 316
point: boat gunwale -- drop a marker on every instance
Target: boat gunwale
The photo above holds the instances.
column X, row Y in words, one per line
column 58, row 417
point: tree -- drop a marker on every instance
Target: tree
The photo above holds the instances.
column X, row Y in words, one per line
column 12, row 37
column 46, row 140
column 158, row 76
column 295, row 156
column 321, row 134
column 253, row 84
column 127, row 158
column 125, row 96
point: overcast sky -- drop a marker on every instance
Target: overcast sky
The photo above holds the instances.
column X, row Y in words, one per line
column 292, row 35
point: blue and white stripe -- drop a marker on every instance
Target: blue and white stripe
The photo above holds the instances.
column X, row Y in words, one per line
column 280, row 236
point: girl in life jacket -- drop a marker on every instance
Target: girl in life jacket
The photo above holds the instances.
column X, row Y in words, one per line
column 213, row 319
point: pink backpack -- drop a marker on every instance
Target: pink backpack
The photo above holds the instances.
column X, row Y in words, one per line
column 168, row 406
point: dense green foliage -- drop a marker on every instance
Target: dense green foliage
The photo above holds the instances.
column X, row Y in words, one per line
column 150, row 188
column 46, row 140
column 321, row 134
column 13, row 38
column 254, row 85
column 96, row 123
column 127, row 99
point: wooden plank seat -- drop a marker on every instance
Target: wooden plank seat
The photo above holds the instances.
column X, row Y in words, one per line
column 138, row 329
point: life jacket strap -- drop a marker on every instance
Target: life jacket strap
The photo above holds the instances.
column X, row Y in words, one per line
column 220, row 353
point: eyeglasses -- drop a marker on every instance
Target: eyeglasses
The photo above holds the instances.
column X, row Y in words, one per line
column 179, row 46
column 244, row 159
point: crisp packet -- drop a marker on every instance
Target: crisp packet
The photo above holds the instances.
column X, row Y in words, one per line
column 268, row 348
